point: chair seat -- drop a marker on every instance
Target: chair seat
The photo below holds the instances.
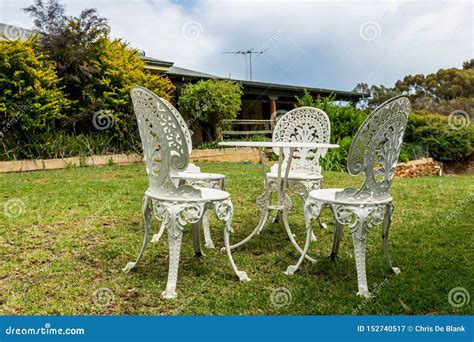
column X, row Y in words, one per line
column 207, row 195
column 329, row 196
column 199, row 176
column 296, row 175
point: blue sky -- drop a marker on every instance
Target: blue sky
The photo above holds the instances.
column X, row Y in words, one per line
column 327, row 44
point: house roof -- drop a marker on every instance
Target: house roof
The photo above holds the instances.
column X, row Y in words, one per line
column 155, row 62
column 290, row 89
column 174, row 70
column 259, row 88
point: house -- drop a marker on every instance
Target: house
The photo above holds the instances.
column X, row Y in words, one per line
column 262, row 102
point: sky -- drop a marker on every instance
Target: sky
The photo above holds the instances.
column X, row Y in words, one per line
column 325, row 44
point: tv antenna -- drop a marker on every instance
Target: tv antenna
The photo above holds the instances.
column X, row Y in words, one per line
column 245, row 53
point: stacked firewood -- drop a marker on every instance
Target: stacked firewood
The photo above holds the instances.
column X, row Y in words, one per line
column 418, row 168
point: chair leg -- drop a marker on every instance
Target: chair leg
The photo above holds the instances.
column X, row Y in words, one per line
column 196, row 228
column 304, row 196
column 286, row 225
column 258, row 229
column 337, row 239
column 293, row 268
column 156, row 237
column 147, row 210
column 360, row 240
column 174, row 242
column 322, row 225
column 263, row 201
column 224, row 211
column 207, row 230
column 387, row 220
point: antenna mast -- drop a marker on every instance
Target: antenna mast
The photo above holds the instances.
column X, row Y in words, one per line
column 245, row 53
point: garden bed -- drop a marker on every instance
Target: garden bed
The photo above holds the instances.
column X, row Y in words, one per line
column 208, row 155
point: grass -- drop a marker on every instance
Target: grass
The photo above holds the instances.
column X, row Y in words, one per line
column 80, row 226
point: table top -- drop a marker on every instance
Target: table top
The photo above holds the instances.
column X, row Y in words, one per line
column 282, row 144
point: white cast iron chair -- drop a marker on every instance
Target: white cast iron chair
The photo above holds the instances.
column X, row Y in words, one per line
column 304, row 124
column 374, row 152
column 166, row 153
column 193, row 176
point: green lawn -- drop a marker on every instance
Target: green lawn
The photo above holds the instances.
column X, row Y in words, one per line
column 80, row 226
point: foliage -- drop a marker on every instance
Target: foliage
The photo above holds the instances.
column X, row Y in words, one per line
column 97, row 73
column 345, row 119
column 75, row 44
column 211, row 102
column 434, row 133
column 307, row 100
column 29, row 97
column 336, row 159
column 441, row 92
column 404, row 156
column 121, row 68
column 58, row 144
column 427, row 134
column 412, row 151
column 76, row 74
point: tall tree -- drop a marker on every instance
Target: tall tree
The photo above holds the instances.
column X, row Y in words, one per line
column 75, row 44
column 442, row 92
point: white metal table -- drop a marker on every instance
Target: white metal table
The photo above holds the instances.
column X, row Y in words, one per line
column 264, row 201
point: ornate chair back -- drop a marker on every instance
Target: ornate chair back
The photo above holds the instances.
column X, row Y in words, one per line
column 304, row 124
column 376, row 147
column 166, row 143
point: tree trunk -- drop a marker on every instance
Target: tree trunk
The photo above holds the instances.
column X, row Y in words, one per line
column 218, row 133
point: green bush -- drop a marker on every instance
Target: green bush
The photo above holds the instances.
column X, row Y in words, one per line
column 210, row 102
column 121, row 68
column 433, row 133
column 96, row 72
column 345, row 119
column 336, row 159
column 30, row 100
column 60, row 144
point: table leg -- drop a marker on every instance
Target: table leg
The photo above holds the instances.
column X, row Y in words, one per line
column 284, row 202
column 283, row 205
column 263, row 205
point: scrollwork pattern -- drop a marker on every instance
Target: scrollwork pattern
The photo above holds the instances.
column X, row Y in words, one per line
column 375, row 149
column 304, row 124
column 206, row 183
column 224, row 211
column 165, row 146
column 175, row 216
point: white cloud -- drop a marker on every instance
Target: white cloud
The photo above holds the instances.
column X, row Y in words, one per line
column 313, row 43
